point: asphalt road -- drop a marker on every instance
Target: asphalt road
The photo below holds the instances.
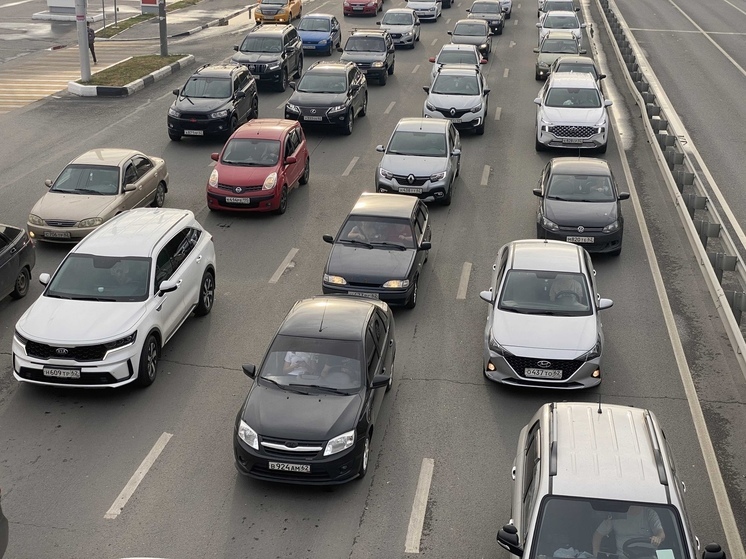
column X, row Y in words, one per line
column 65, row 455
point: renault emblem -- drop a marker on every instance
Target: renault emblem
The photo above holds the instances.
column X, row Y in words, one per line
column 62, row 351
column 239, row 190
column 581, row 228
column 544, row 364
column 410, row 179
column 453, row 112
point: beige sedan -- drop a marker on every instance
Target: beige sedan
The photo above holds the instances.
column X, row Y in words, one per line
column 95, row 187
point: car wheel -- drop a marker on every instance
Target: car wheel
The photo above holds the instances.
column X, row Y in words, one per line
column 458, row 167
column 383, row 78
column 391, row 378
column 364, row 109
column 500, row 30
column 538, row 145
column 254, row 108
column 176, row 137
column 448, row 198
column 148, row 361
column 601, row 149
column 366, row 456
column 21, row 285
column 510, row 13
column 538, row 76
column 480, row 129
column 160, row 196
column 283, row 85
column 282, row 208
column 206, row 295
column 233, row 125
column 412, row 302
column 391, row 69
column 347, row 130
column 306, row 172
column 300, row 69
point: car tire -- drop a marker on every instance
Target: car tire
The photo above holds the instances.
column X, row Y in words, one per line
column 616, row 252
column 510, row 13
column 160, row 196
column 175, row 137
column 299, row 70
column 349, row 123
column 21, row 285
column 499, row 30
column 602, row 149
column 383, row 78
column 306, row 172
column 538, row 145
column 283, row 85
column 254, row 108
column 148, row 369
column 364, row 108
column 537, row 76
column 412, row 301
column 233, row 126
column 391, row 378
column 365, row 459
column 283, row 207
column 448, row 198
column 390, row 70
column 206, row 294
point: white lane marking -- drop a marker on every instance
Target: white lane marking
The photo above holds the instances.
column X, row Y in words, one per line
column 463, row 283
column 414, row 70
column 319, row 6
column 518, row 7
column 515, row 22
column 511, row 44
column 448, row 21
column 281, row 105
column 731, row 4
column 506, row 72
column 498, row 113
column 434, row 41
column 350, row 166
column 388, row 109
column 693, row 31
column 485, row 175
column 15, row 3
column 419, row 506
column 137, row 477
column 283, row 266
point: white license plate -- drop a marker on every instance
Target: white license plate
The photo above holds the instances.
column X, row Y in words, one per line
column 283, row 467
column 194, row 132
column 314, row 118
column 572, row 140
column 57, row 234
column 61, row 373
column 309, row 46
column 555, row 374
column 456, row 120
column 357, row 9
column 580, row 239
column 362, row 294
column 234, row 200
column 407, row 190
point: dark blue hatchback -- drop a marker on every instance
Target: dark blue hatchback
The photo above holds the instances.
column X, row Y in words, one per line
column 320, row 33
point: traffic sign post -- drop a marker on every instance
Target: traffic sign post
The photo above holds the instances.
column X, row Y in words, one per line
column 80, row 20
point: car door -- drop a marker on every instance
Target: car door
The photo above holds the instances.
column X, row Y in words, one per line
column 375, row 338
column 9, row 261
column 544, row 186
column 147, row 176
column 188, row 266
column 422, row 233
column 454, row 143
column 131, row 187
column 167, row 305
column 336, row 35
column 244, row 84
column 293, row 51
column 293, row 170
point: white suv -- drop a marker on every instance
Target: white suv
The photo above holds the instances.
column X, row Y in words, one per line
column 571, row 113
column 115, row 300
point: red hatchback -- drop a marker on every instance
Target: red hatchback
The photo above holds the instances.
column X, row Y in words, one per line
column 362, row 7
column 260, row 163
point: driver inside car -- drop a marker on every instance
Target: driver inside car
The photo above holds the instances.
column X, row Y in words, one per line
column 565, row 284
column 638, row 523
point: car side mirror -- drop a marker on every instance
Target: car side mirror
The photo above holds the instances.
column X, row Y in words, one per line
column 487, row 92
column 538, row 25
column 214, row 156
column 354, row 88
column 450, row 33
column 536, row 50
column 601, row 76
column 44, row 278
column 577, row 9
column 483, row 61
column 340, row 49
column 235, row 47
column 486, row 295
column 507, row 537
column 328, row 239
column 249, row 370
column 623, row 196
column 426, row 89
column 432, row 59
column 425, row 245
column 537, row 192
column 583, row 51
column 582, row 26
column 380, row 381
column 468, row 10
column 417, row 24
column 239, row 95
column 455, row 151
column 290, row 159
column 175, row 92
column 605, row 304
column 48, row 183
column 608, row 103
column 380, row 148
column 168, row 286
column 291, row 85
column 378, row 23
column 129, row 187
column 537, row 101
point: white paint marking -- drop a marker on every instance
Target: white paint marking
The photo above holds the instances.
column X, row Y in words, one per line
column 515, row 22
column 350, row 166
column 518, row 7
column 388, row 109
column 414, row 70
column 417, row 518
column 498, row 112
column 511, row 44
column 434, row 41
column 463, row 283
column 283, row 266
column 137, row 477
column 319, row 6
column 506, row 72
column 281, row 105
column 485, row 175
column 448, row 21
column 15, row 3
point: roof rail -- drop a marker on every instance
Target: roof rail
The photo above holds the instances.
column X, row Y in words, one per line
column 553, row 441
column 660, row 466
column 202, row 67
column 368, row 30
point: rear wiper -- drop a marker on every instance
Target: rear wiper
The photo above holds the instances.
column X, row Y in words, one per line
column 284, row 386
column 356, row 242
column 397, row 246
column 324, row 388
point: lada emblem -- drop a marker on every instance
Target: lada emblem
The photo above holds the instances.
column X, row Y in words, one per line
column 313, row 111
column 544, row 364
column 62, row 351
column 410, row 179
column 453, row 112
column 581, row 228
column 239, row 190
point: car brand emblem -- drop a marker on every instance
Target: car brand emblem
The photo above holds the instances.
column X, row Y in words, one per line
column 192, row 120
column 291, row 444
column 62, row 351
column 453, row 112
column 239, row 190
column 313, row 111
column 544, row 364
column 573, row 129
column 581, row 228
column 410, row 179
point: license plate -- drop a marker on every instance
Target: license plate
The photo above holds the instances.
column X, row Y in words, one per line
column 309, row 46
column 456, row 120
column 234, row 200
column 580, row 239
column 316, row 118
column 572, row 140
column 357, row 9
column 283, row 467
column 555, row 374
column 362, row 294
column 194, row 132
column 407, row 190
column 61, row 373
column 57, row 234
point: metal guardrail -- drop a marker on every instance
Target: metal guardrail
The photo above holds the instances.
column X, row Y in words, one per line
column 698, row 201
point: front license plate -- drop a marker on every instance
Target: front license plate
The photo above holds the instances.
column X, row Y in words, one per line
column 572, row 140
column 555, row 374
column 357, row 9
column 283, row 467
column 580, row 239
column 57, row 234
column 408, row 190
column 456, row 120
column 61, row 373
column 194, row 132
column 309, row 46
column 234, row 200
column 362, row 294
column 314, row 118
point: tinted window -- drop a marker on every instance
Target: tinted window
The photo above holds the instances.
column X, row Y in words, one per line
column 323, row 82
column 261, row 44
column 564, row 46
column 485, row 8
column 249, row 152
column 372, row 355
column 397, row 18
column 4, row 242
column 426, row 144
column 365, row 44
column 446, row 84
column 172, row 255
column 379, row 232
column 581, row 188
column 130, row 174
column 544, row 292
column 560, row 22
column 573, row 97
column 82, row 179
column 470, row 29
column 207, row 88
column 292, row 35
column 9, row 232
column 104, row 278
column 142, row 165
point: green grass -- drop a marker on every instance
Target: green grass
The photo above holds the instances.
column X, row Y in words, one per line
column 112, row 30
column 130, row 70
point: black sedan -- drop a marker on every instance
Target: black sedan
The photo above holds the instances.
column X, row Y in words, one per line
column 17, row 259
column 380, row 250
column 310, row 414
column 329, row 93
column 580, row 204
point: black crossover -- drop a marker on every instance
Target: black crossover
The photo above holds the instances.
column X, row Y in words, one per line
column 272, row 53
column 373, row 51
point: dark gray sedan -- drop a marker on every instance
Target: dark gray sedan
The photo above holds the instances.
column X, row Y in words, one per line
column 17, row 259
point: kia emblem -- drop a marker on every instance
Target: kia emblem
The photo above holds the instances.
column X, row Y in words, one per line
column 544, row 364
column 61, row 351
column 410, row 179
column 581, row 228
column 239, row 190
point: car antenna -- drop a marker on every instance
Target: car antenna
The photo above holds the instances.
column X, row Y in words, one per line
column 599, row 404
column 323, row 314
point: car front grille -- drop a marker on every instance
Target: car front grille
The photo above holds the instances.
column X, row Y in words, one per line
column 396, row 35
column 77, row 353
column 314, row 111
column 363, row 65
column 457, row 113
column 302, row 449
column 257, row 68
column 568, row 367
column 573, row 131
column 363, row 284
column 418, row 181
column 194, row 116
column 243, row 188
column 60, row 222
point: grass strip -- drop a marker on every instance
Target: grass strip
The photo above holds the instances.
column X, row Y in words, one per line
column 130, row 70
column 112, row 30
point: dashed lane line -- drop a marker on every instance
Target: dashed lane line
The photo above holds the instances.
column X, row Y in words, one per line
column 283, row 266
column 463, row 283
column 506, row 72
column 485, row 175
column 419, row 507
column 388, row 109
column 498, row 113
column 414, row 70
column 349, row 168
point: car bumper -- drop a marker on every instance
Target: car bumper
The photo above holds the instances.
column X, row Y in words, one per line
column 468, row 121
column 335, row 119
column 429, row 192
column 592, row 142
column 389, row 296
column 404, row 41
column 427, row 15
column 206, row 127
column 593, row 241
column 258, row 201
column 279, row 18
column 364, row 11
column 497, row 368
column 542, row 71
column 58, row 234
column 316, row 47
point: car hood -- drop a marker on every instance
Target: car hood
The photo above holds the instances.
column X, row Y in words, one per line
column 530, row 335
column 197, row 105
column 234, row 175
column 303, row 99
column 588, row 214
column 454, row 101
column 48, row 320
column 56, row 205
column 277, row 413
column 416, row 165
column 397, row 28
column 549, row 57
column 468, row 40
column 314, row 36
column 256, row 57
column 366, row 265
column 568, row 115
column 355, row 56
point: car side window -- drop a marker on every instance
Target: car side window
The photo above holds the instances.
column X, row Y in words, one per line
column 292, row 36
column 130, row 174
column 335, row 23
column 173, row 254
column 142, row 165
column 163, row 267
column 420, row 223
column 4, row 242
column 372, row 355
column 351, row 77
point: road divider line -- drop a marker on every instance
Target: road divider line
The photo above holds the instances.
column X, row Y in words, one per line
column 506, row 72
column 414, row 70
column 434, row 41
column 319, row 6
column 388, row 109
column 485, row 175
column 463, row 283
column 511, row 44
column 419, row 507
column 283, row 266
column 212, row 163
column 137, row 477
column 281, row 105
column 349, row 168
column 515, row 22
column 498, row 112
column 448, row 21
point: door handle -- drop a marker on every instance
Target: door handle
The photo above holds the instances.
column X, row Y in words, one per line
column 199, row 258
column 13, row 250
column 391, row 341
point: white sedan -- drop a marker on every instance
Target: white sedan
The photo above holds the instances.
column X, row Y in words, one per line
column 426, row 9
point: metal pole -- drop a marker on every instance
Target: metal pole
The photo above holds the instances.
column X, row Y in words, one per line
column 116, row 23
column 103, row 11
column 80, row 19
column 162, row 27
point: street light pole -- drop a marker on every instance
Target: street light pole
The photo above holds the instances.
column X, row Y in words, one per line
column 80, row 20
column 162, row 27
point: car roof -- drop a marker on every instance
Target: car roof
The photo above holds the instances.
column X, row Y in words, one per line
column 572, row 79
column 330, row 317
column 318, row 15
column 331, row 66
column 485, row 2
column 459, row 69
column 559, row 34
column 368, row 32
column 472, row 21
column 413, row 124
column 104, row 156
column 133, row 233
column 384, row 205
column 540, row 254
column 458, row 46
column 217, row 70
column 265, row 128
column 562, row 13
column 272, row 29
column 580, row 166
column 575, row 59
column 399, row 11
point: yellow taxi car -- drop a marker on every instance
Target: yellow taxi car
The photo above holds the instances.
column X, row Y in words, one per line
column 277, row 11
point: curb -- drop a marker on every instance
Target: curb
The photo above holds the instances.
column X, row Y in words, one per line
column 107, row 91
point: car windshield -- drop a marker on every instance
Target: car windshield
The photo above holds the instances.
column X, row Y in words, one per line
column 314, row 362
column 581, row 188
column 485, row 8
column 557, row 7
column 87, row 277
column 397, row 18
column 251, row 152
column 424, row 144
column 578, row 68
column 560, row 22
column 381, row 233
column 564, row 46
column 208, row 88
column 545, row 293
column 566, row 527
column 314, row 24
column 274, row 2
column 261, row 44
column 88, row 179
column 322, row 82
column 455, row 85
column 573, row 97
column 470, row 30
column 365, row 44
column 457, row 57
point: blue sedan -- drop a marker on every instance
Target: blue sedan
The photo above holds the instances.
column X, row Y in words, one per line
column 320, row 33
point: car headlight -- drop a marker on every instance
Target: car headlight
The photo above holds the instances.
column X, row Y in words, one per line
column 431, row 9
column 173, row 112
column 406, row 34
column 338, row 108
column 121, row 342
column 397, row 284
column 35, row 220
column 543, row 65
column 273, row 66
column 549, row 224
column 21, row 340
column 601, row 126
column 611, row 227
column 497, row 348
column 370, row 4
column 546, row 126
column 593, row 353
column 248, row 435
column 477, row 108
column 429, row 106
column 336, row 280
column 377, row 65
column 483, row 46
column 270, row 182
column 323, row 41
column 340, row 443
column 213, row 180
column 437, row 176
column 90, row 222
column 385, row 174
column 219, row 114
column 289, row 107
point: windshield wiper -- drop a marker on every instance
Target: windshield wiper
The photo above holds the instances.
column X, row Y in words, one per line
column 356, row 242
column 387, row 244
column 241, row 163
column 285, row 386
column 324, row 388
column 98, row 299
column 89, row 191
column 560, row 198
column 59, row 296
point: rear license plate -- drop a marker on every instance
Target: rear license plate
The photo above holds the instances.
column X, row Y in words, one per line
column 57, row 234
column 234, row 200
column 61, row 373
column 315, row 118
column 580, row 239
column 408, row 190
column 194, row 132
column 362, row 294
column 282, row 467
column 572, row 140
column 555, row 374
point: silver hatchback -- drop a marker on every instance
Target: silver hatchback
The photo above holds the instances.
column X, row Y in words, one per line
column 460, row 94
